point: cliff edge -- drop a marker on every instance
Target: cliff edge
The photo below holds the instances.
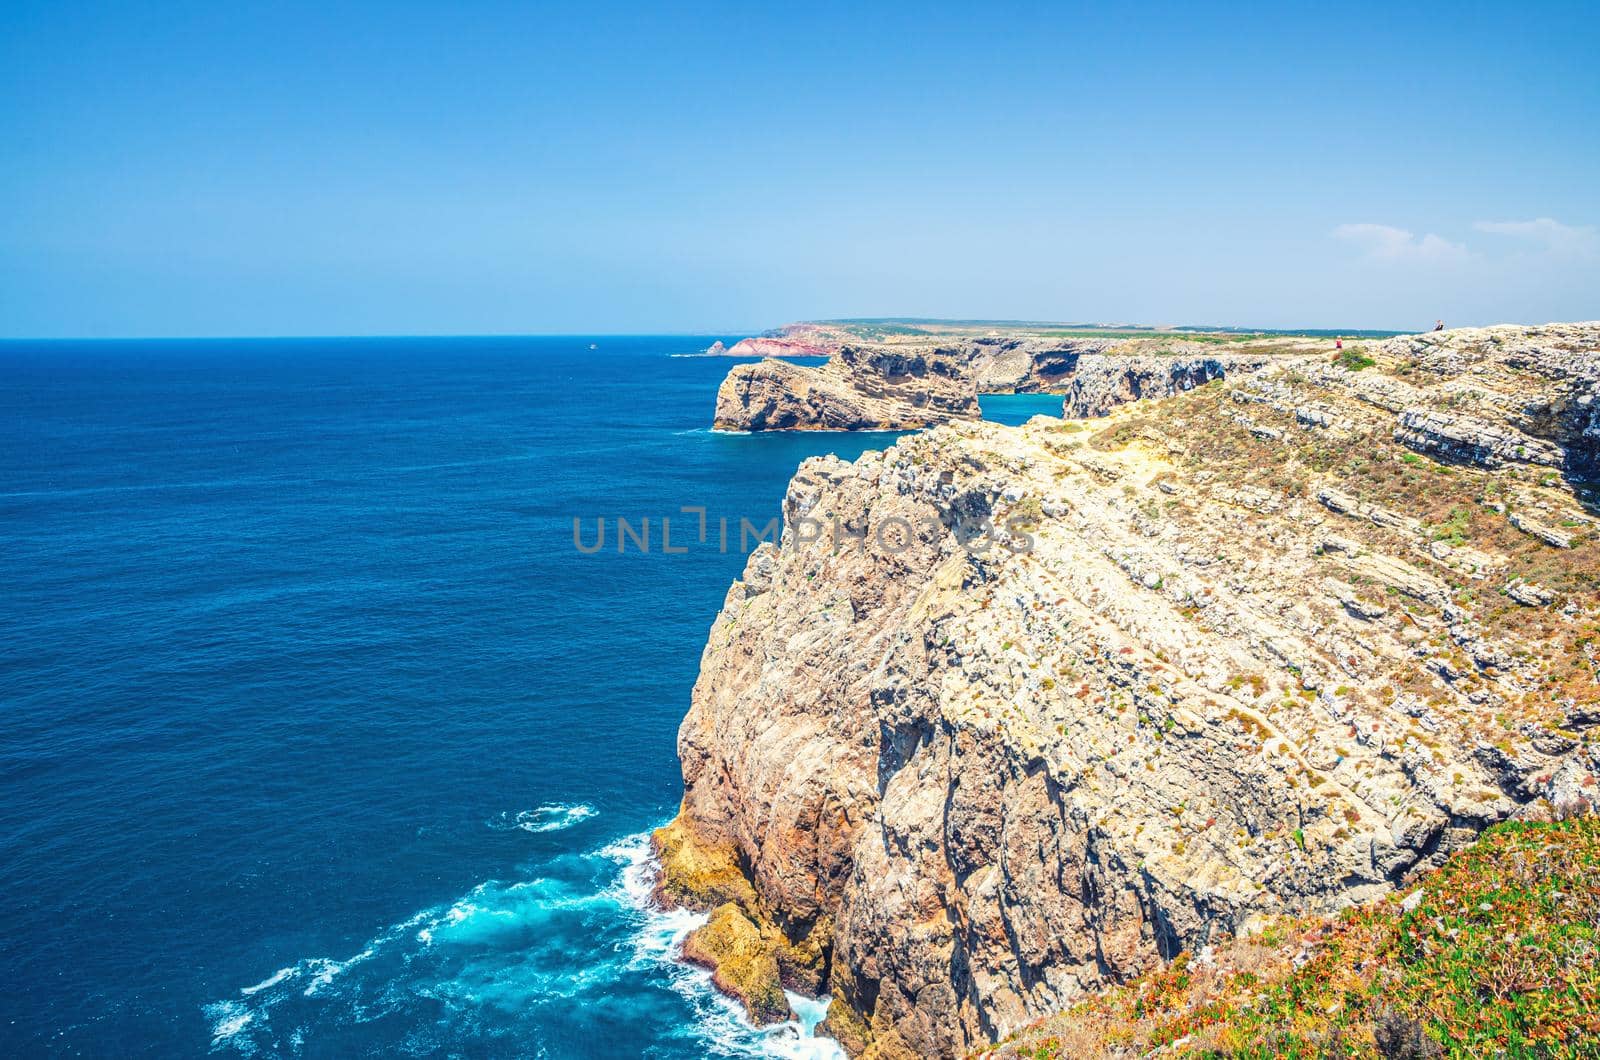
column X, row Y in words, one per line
column 1011, row 715
column 900, row 382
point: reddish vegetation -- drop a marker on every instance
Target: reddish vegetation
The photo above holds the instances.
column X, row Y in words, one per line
column 769, row 347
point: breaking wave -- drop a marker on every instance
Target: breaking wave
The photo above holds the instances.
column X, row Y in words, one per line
column 578, row 947
column 552, row 817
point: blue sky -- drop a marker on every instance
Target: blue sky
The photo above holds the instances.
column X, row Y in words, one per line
column 355, row 168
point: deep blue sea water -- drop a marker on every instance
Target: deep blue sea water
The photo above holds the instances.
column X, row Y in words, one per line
column 1017, row 409
column 319, row 736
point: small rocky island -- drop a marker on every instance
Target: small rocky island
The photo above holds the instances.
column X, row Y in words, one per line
column 1266, row 640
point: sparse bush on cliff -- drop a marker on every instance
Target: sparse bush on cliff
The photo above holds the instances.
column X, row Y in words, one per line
column 1354, row 358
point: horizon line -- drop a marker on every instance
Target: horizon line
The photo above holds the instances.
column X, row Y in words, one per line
column 1175, row 329
column 312, row 337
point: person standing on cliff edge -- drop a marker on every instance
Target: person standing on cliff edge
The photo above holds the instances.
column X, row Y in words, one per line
column 1438, row 325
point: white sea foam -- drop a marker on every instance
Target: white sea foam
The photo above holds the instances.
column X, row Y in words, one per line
column 636, row 883
column 503, row 950
column 237, row 1024
column 326, row 969
column 552, row 817
column 277, row 977
column 228, row 1018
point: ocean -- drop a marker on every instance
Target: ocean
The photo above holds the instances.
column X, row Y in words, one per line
column 320, row 736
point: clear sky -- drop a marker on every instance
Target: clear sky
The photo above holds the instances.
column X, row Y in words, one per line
column 386, row 168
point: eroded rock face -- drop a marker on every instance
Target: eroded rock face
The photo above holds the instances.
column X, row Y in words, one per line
column 1100, row 384
column 862, row 388
column 1029, row 366
column 1235, row 653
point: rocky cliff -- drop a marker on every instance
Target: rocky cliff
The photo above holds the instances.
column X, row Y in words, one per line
column 1013, row 714
column 861, row 388
column 1100, row 373
column 1006, row 365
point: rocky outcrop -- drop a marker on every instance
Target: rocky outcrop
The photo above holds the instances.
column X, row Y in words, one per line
column 1471, row 440
column 862, row 388
column 778, row 347
column 791, row 340
column 1011, row 714
column 1506, row 395
column 1102, row 383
